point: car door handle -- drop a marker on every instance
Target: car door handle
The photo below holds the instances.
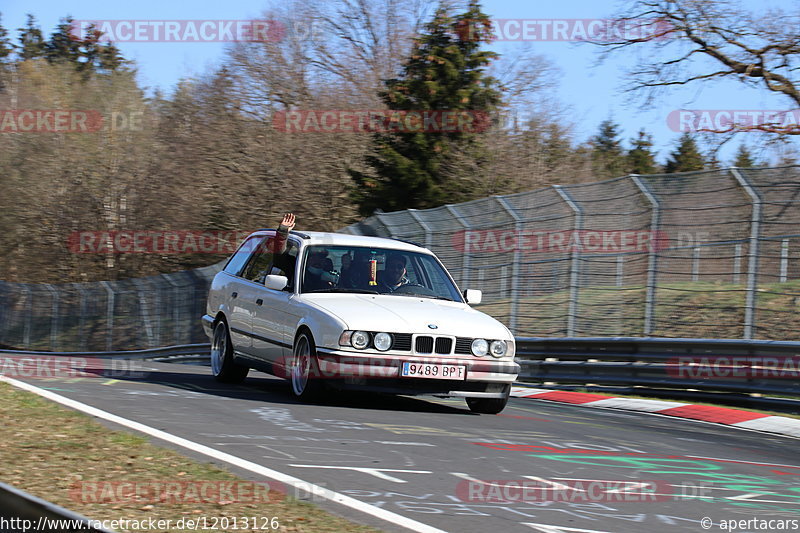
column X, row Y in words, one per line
column 259, row 301
column 234, row 294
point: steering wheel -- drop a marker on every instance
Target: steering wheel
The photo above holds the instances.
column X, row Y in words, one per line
column 414, row 288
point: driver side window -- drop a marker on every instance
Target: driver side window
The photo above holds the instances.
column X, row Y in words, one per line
column 260, row 262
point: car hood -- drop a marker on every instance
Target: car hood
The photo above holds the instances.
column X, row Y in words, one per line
column 406, row 314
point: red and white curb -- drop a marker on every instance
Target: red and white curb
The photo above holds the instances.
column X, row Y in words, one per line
column 707, row 413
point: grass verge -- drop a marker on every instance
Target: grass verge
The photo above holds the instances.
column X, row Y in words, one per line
column 55, row 453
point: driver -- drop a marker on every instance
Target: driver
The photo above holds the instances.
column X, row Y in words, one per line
column 393, row 275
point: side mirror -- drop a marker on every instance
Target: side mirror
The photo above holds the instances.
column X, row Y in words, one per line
column 473, row 296
column 276, row 282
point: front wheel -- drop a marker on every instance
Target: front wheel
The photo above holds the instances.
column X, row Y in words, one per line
column 223, row 367
column 489, row 406
column 305, row 375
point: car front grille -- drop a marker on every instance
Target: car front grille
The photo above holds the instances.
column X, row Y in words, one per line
column 463, row 346
column 402, row 342
column 444, row 345
column 425, row 344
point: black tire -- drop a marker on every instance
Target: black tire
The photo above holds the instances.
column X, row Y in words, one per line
column 304, row 374
column 489, row 406
column 224, row 369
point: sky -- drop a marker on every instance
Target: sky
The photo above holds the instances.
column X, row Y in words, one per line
column 589, row 92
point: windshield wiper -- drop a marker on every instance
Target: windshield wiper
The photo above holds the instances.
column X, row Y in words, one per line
column 356, row 291
column 433, row 297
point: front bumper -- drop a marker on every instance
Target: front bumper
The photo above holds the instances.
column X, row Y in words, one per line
column 484, row 377
column 208, row 323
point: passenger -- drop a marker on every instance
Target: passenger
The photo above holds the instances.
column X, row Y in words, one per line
column 355, row 270
column 319, row 272
column 283, row 263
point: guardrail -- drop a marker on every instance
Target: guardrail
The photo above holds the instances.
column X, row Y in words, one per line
column 151, row 353
column 723, row 365
column 698, row 364
column 20, row 512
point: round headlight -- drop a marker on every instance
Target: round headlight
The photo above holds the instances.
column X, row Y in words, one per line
column 498, row 348
column 383, row 341
column 480, row 347
column 359, row 340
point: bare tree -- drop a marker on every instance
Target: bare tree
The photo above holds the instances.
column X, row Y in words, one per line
column 688, row 42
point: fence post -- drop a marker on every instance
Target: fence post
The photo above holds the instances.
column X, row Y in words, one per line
column 109, row 314
column 148, row 326
column 54, row 316
column 784, row 260
column 652, row 260
column 518, row 225
column 425, row 227
column 737, row 263
column 5, row 313
column 82, row 317
column 176, row 307
column 465, row 265
column 574, row 280
column 752, row 264
column 26, row 332
column 380, row 216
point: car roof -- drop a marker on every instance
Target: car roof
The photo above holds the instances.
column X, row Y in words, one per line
column 311, row 238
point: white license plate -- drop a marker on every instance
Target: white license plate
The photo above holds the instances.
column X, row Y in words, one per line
column 431, row 371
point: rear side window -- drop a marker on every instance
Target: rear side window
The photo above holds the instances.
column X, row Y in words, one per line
column 240, row 257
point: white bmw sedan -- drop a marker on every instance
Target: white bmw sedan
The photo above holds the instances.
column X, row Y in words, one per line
column 328, row 310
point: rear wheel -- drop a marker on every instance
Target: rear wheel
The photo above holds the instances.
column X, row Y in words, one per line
column 223, row 367
column 489, row 406
column 305, row 376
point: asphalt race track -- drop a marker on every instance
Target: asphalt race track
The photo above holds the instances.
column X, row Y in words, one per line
column 433, row 461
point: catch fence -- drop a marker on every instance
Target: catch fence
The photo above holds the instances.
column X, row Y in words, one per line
column 703, row 254
column 711, row 254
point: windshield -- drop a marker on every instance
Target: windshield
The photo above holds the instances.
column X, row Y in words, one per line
column 376, row 271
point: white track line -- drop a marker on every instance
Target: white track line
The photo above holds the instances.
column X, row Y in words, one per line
column 292, row 481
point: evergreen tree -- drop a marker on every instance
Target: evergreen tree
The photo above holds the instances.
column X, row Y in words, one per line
column 608, row 159
column 744, row 158
column 31, row 41
column 63, row 46
column 445, row 72
column 641, row 159
column 686, row 157
column 6, row 47
column 109, row 58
